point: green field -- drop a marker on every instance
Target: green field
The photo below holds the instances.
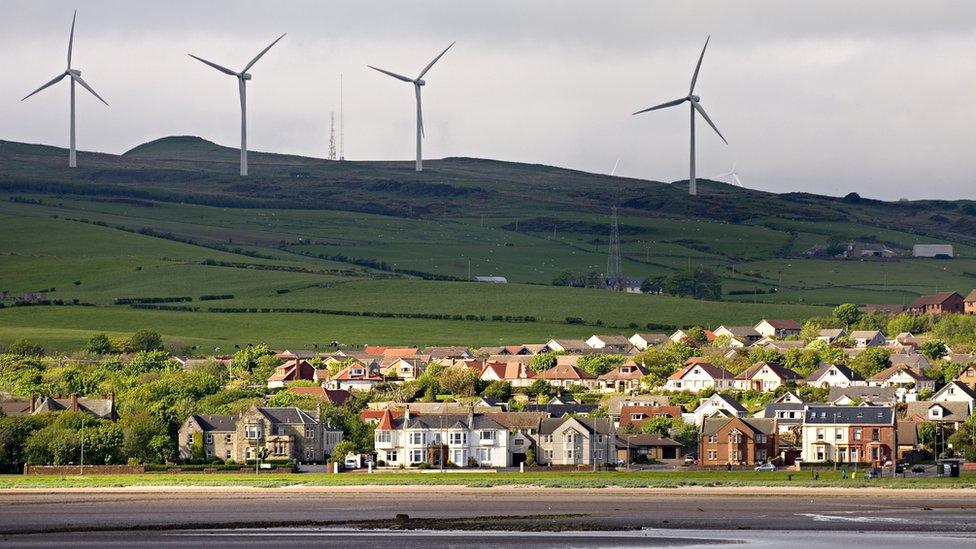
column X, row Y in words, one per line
column 805, row 479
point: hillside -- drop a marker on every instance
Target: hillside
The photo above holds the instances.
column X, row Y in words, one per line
column 172, row 218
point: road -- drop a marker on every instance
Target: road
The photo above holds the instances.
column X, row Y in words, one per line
column 496, row 516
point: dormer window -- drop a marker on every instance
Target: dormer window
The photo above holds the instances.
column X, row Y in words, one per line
column 358, row 372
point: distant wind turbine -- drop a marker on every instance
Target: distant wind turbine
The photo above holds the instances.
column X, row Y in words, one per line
column 242, row 77
column 732, row 175
column 693, row 100
column 75, row 77
column 417, row 84
column 614, row 170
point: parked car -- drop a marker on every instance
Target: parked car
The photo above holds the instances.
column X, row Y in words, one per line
column 766, row 467
column 350, row 463
column 873, row 473
column 918, row 469
column 690, row 459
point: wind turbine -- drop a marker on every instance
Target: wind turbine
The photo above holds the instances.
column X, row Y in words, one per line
column 417, row 84
column 614, row 170
column 732, row 175
column 242, row 77
column 75, row 77
column 693, row 101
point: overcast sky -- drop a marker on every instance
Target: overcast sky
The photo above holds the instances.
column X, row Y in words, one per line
column 827, row 97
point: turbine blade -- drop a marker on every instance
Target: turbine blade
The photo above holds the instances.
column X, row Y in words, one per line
column 737, row 180
column 89, row 88
column 71, row 37
column 664, row 105
column 264, row 51
column 53, row 81
column 726, row 174
column 420, row 111
column 224, row 70
column 393, row 74
column 614, row 170
column 694, row 77
column 701, row 111
column 431, row 64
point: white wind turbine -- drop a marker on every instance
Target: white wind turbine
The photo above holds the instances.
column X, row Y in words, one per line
column 732, row 175
column 693, row 101
column 417, row 84
column 75, row 77
column 242, row 77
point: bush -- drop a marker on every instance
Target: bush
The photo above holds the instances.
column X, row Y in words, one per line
column 24, row 347
column 98, row 344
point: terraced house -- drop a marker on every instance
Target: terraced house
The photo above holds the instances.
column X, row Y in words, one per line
column 441, row 440
column 849, row 434
column 272, row 433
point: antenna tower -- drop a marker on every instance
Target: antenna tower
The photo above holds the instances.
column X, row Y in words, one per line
column 332, row 141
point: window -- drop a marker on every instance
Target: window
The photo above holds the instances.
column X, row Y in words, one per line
column 484, row 455
column 820, row 434
column 384, row 436
column 637, row 416
column 712, row 439
column 358, row 372
column 546, row 438
column 599, row 439
column 416, row 456
column 598, row 455
column 838, row 434
column 279, row 430
column 310, row 432
column 209, row 438
column 209, row 452
column 734, row 455
column 547, row 454
column 458, row 438
column 189, row 438
column 735, row 437
column 571, row 438
column 761, row 455
column 459, row 457
column 417, row 438
column 391, row 456
column 712, row 455
column 228, row 438
column 875, row 435
column 227, row 454
column 308, row 454
column 253, row 432
column 570, row 453
column 488, row 435
column 857, row 433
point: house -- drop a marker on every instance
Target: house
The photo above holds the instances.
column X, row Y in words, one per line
column 737, row 441
column 907, row 438
column 954, row 413
column 625, row 377
column 389, row 352
column 902, row 377
column 465, row 440
column 932, row 250
column 739, row 336
column 695, row 376
column 968, row 375
column 914, row 361
column 299, row 354
column 516, row 373
column 576, row 441
column 643, row 342
column 956, row 391
column 848, row 434
column 616, row 403
column 101, row 408
column 616, row 343
column 969, row 303
column 886, row 308
column 575, row 346
column 558, row 408
column 834, row 375
column 447, row 353
column 788, row 415
column 777, row 329
column 945, row 302
column 863, row 395
column 905, row 341
column 566, row 375
column 717, row 405
column 868, row 338
column 405, row 368
column 331, row 396
column 635, row 416
column 765, row 376
column 780, row 346
column 645, row 447
column 523, row 428
column 272, row 433
column 355, row 377
column 293, row 370
column 830, row 335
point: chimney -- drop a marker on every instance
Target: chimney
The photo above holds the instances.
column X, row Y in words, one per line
column 111, row 406
column 470, row 417
column 406, row 414
column 33, row 403
column 74, row 402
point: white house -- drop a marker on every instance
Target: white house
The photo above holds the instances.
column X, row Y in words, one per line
column 615, row 342
column 697, row 375
column 829, row 335
column 765, row 376
column 739, row 336
column 956, row 391
column 642, row 342
column 835, row 375
column 868, row 338
column 777, row 329
column 568, row 346
column 717, row 405
column 902, row 376
column 466, row 440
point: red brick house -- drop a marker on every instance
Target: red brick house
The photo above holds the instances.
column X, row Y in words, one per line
column 293, row 370
column 737, row 441
column 969, row 304
column 946, row 302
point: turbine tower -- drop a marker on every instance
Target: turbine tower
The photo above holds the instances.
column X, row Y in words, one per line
column 242, row 78
column 694, row 105
column 417, row 84
column 75, row 77
column 732, row 175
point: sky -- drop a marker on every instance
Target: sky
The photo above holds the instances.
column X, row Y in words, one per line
column 831, row 97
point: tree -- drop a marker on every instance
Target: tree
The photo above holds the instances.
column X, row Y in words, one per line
column 696, row 334
column 657, row 426
column 24, row 347
column 653, row 285
column 146, row 340
column 499, row 389
column 460, row 381
column 761, row 354
column 934, row 349
column 598, row 365
column 905, row 322
column 847, row 313
column 540, row 387
column 197, row 449
column 964, row 439
column 98, row 344
column 871, row 361
column 342, row 449
column 542, row 362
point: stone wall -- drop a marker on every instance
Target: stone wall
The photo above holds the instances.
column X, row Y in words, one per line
column 89, row 469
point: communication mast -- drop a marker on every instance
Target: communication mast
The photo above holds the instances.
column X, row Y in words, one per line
column 332, row 137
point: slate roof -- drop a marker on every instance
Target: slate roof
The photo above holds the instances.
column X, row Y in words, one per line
column 447, row 421
column 869, row 394
column 844, row 370
column 103, row 408
column 217, row 423
column 771, row 411
column 560, row 410
column 289, row 416
column 887, row 373
column 731, row 402
column 518, row 420
column 934, row 299
column 783, row 324
column 783, row 372
column 952, row 411
column 14, row 407
column 645, row 440
column 600, row 426
column 757, row 424
column 854, row 415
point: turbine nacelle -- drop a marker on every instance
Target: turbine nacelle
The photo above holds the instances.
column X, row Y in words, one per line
column 71, row 72
column 694, row 98
column 244, row 76
column 420, row 82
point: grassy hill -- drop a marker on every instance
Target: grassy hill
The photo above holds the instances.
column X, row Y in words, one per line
column 171, row 218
